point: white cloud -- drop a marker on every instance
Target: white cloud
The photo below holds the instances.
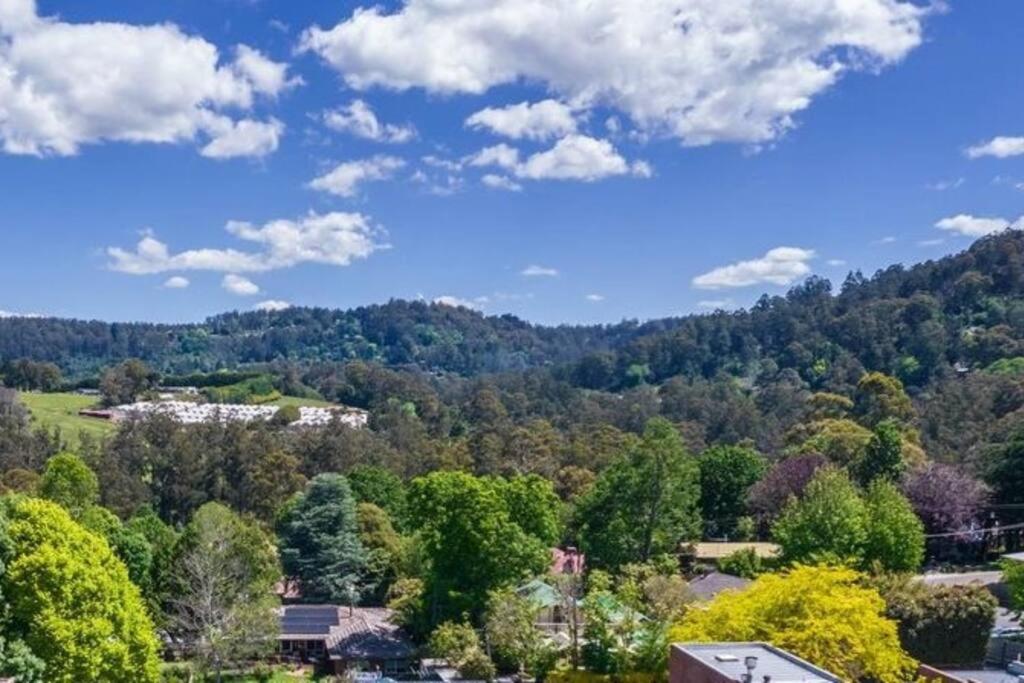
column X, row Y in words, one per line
column 177, row 282
column 245, row 138
column 932, row 242
column 334, row 239
column 538, row 271
column 943, row 185
column 344, row 180
column 65, row 85
column 11, row 314
column 359, row 119
column 500, row 155
column 976, row 226
column 1000, row 147
column 271, row 305
column 240, row 286
column 574, row 157
column 780, row 266
column 888, row 239
column 456, row 302
column 501, row 182
column 835, row 262
column 702, row 71
column 717, row 304
column 543, row 120
column 595, row 298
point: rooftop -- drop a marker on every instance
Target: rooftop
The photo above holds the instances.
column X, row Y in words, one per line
column 716, row 550
column 729, row 659
column 711, row 584
column 357, row 633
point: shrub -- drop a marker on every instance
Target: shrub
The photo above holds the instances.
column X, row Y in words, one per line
column 744, row 563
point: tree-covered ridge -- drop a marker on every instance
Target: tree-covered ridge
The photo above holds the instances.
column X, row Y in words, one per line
column 912, row 322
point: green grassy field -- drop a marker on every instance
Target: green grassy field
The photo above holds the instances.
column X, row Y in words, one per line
column 300, row 402
column 61, row 410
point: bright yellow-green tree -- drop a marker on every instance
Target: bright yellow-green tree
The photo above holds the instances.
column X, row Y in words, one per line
column 827, row 615
column 71, row 600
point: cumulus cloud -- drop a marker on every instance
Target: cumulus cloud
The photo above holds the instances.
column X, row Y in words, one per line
column 272, row 305
column 177, row 282
column 65, row 85
column 501, row 182
column 976, row 226
column 456, row 302
column 334, row 238
column 240, row 286
column 780, row 266
column 544, row 120
column 344, row 180
column 245, row 138
column 574, row 157
column 538, row 271
column 359, row 119
column 1000, row 147
column 702, row 71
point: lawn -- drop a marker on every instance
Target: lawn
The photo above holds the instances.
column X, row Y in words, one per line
column 61, row 410
column 300, row 402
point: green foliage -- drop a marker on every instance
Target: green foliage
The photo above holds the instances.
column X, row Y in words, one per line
column 726, row 475
column 286, row 415
column 458, row 516
column 946, row 626
column 880, row 397
column 460, row 645
column 385, row 550
column 895, row 535
column 1013, row 577
column 253, row 390
column 828, row 524
column 842, row 441
column 513, row 635
column 883, row 458
column 746, row 564
column 1006, row 468
column 71, row 600
column 1007, row 366
column 834, row 523
column 125, row 382
column 221, row 599
column 381, row 487
column 319, row 541
column 533, row 505
column 70, row 483
column 644, row 503
column 822, row 614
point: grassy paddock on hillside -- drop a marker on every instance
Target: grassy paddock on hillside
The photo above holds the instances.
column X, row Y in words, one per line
column 61, row 410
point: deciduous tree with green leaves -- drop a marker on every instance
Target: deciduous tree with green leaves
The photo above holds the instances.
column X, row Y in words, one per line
column 827, row 524
column 69, row 482
column 895, row 535
column 644, row 504
column 726, row 475
column 71, row 601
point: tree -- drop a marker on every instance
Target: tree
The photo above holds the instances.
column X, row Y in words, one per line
column 222, row 604
column 726, row 475
column 880, row 397
column 460, row 645
column 942, row 625
column 385, row 550
column 512, row 632
column 70, row 483
column 124, row 382
column 944, row 497
column 1013, row 577
column 843, row 442
column 883, row 458
column 828, row 524
column 644, row 503
column 1006, row 469
column 470, row 540
column 71, row 601
column 533, row 505
column 822, row 614
column 895, row 536
column 786, row 479
column 319, row 541
column 381, row 487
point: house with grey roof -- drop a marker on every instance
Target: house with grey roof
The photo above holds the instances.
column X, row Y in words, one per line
column 741, row 663
column 339, row 639
column 708, row 586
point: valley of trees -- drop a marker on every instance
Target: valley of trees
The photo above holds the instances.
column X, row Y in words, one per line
column 867, row 432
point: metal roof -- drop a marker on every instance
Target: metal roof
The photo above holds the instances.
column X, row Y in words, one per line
column 728, row 659
column 1017, row 557
column 359, row 633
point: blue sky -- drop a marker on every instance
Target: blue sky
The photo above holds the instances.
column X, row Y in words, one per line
column 667, row 156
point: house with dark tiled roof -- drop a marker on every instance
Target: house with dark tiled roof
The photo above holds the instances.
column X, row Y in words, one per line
column 340, row 639
column 708, row 586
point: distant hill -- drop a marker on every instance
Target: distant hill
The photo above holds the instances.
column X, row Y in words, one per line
column 915, row 322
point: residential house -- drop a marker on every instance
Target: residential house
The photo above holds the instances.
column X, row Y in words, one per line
column 741, row 663
column 339, row 639
column 707, row 586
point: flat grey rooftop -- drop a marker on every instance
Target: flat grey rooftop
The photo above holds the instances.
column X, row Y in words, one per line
column 728, row 659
